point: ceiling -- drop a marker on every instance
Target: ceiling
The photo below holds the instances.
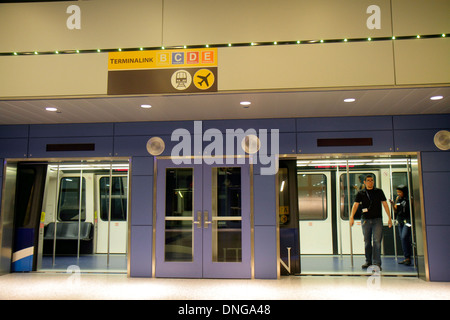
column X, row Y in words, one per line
column 326, row 103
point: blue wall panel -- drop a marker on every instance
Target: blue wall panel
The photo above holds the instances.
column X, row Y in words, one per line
column 437, row 199
column 435, row 177
column 131, row 139
column 13, row 148
column 438, row 239
column 141, row 251
column 389, row 134
column 435, row 121
column 126, row 146
column 14, row 131
column 288, row 143
column 1, row 184
column 142, row 166
column 72, row 130
column 415, row 140
column 382, row 142
column 103, row 147
column 344, row 124
column 285, row 127
column 285, row 144
column 264, row 195
column 131, row 146
column 266, row 252
column 264, row 198
column 142, row 200
column 435, row 161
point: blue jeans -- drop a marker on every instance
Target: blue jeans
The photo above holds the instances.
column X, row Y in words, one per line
column 373, row 233
column 405, row 236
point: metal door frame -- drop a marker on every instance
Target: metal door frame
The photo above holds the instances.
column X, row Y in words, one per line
column 419, row 215
column 7, row 206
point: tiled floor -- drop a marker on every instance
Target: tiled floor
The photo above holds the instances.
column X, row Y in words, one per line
column 118, row 286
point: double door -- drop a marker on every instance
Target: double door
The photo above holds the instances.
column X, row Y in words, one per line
column 202, row 221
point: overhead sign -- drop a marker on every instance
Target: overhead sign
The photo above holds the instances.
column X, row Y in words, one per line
column 162, row 71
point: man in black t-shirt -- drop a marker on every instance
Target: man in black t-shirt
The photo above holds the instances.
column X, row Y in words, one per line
column 371, row 200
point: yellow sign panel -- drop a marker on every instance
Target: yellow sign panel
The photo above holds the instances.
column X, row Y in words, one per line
column 284, row 210
column 158, row 59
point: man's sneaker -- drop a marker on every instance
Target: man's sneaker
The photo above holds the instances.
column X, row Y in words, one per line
column 406, row 262
column 366, row 265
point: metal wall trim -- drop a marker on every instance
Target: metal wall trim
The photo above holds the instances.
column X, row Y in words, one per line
column 422, row 215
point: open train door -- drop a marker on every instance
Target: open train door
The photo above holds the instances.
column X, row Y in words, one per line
column 27, row 215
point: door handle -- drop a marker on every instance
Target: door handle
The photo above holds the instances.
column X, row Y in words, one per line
column 199, row 220
column 206, row 217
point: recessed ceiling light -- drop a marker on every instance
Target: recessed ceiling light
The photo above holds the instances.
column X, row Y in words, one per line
column 350, row 100
column 245, row 103
column 436, row 98
column 51, row 109
column 146, row 106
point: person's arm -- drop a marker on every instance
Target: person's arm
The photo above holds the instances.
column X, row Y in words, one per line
column 354, row 209
column 386, row 208
column 394, row 203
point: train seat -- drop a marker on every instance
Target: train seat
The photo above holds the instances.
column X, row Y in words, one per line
column 68, row 230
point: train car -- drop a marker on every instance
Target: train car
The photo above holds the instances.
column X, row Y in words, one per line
column 78, row 216
column 325, row 190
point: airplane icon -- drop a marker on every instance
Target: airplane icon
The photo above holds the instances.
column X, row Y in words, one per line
column 204, row 80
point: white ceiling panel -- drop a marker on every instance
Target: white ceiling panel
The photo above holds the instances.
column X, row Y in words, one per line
column 329, row 103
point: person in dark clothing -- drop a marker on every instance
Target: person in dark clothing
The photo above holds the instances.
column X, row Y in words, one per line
column 372, row 200
column 402, row 215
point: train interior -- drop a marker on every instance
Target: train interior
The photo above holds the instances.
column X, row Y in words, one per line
column 315, row 201
column 72, row 213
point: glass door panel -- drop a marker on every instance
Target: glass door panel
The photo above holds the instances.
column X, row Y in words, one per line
column 226, row 215
column 178, row 247
column 227, row 248
column 179, row 215
column 178, row 241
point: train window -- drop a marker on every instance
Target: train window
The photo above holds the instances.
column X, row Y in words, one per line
column 356, row 185
column 69, row 199
column 398, row 178
column 118, row 198
column 312, row 196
